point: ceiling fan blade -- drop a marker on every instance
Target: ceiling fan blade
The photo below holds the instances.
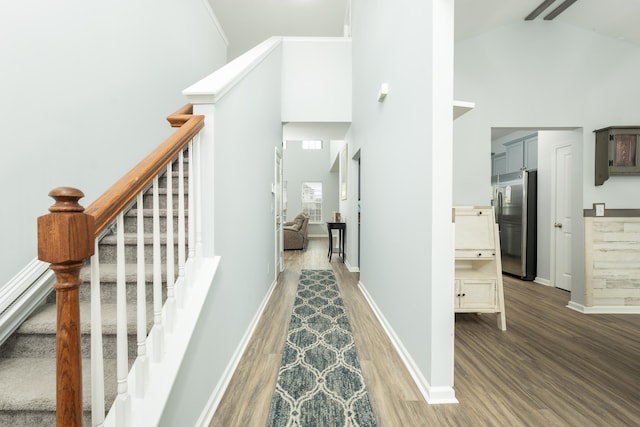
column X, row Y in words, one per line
column 538, row 10
column 558, row 10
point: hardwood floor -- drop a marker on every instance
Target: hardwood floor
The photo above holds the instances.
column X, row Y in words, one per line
column 552, row 367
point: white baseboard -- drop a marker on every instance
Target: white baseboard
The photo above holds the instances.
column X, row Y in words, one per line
column 541, row 281
column 352, row 268
column 603, row 309
column 317, row 236
column 214, row 400
column 433, row 395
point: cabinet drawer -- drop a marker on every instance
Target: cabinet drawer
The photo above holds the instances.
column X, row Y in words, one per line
column 475, row 254
column 474, row 228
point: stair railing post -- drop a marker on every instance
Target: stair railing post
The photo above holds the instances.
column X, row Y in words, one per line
column 65, row 239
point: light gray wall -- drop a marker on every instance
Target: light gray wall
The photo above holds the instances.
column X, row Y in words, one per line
column 327, row 63
column 561, row 81
column 310, row 165
column 406, row 173
column 247, row 129
column 86, row 88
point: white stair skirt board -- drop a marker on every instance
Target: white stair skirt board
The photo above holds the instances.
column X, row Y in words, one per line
column 22, row 295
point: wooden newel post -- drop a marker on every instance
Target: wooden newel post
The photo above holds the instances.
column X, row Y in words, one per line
column 65, row 239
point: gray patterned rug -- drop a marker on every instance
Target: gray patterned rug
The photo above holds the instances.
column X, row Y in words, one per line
column 319, row 381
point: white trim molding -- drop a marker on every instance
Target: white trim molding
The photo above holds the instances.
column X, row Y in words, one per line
column 214, row 18
column 603, row 309
column 352, row 268
column 433, row 395
column 23, row 294
column 212, row 88
column 543, row 282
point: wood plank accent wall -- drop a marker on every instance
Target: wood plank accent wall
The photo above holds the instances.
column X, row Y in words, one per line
column 612, row 260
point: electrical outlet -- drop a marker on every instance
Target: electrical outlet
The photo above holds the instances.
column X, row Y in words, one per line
column 599, row 207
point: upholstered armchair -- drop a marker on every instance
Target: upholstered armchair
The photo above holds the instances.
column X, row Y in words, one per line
column 295, row 232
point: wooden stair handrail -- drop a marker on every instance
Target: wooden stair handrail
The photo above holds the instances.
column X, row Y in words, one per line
column 66, row 237
column 181, row 116
column 124, row 191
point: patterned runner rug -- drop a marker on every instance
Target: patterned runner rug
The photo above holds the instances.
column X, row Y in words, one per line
column 320, row 382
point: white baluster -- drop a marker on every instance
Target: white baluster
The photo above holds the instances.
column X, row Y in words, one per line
column 97, row 358
column 158, row 332
column 181, row 233
column 170, row 305
column 123, row 399
column 142, row 361
column 198, row 198
column 192, row 211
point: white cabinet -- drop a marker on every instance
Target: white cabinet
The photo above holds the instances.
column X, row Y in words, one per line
column 531, row 153
column 515, row 156
column 475, row 294
column 498, row 164
column 478, row 269
column 522, row 154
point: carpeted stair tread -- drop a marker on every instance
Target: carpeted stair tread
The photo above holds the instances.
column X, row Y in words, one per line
column 132, row 239
column 148, row 212
column 43, row 320
column 109, row 273
column 33, row 384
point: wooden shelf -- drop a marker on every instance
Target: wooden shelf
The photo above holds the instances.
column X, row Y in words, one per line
column 462, row 107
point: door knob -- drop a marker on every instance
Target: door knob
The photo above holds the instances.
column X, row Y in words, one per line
column 557, row 225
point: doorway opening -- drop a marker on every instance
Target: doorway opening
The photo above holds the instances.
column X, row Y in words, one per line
column 308, row 155
column 548, row 151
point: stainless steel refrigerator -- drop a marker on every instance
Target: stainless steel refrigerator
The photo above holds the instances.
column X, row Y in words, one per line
column 515, row 204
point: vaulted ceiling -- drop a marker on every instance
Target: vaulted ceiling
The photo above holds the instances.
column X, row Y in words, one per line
column 249, row 22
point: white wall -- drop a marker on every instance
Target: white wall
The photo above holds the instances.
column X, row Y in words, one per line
column 405, row 142
column 246, row 129
column 544, row 74
column 316, row 76
column 86, row 88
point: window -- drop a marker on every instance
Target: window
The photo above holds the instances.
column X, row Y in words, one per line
column 312, row 144
column 312, row 200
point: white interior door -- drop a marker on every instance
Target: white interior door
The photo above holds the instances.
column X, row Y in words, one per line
column 278, row 211
column 563, row 222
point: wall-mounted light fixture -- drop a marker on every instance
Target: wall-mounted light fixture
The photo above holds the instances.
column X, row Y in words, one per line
column 382, row 93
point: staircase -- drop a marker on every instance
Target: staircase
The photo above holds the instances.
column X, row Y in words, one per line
column 28, row 357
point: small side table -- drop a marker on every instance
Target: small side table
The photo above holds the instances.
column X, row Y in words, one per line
column 341, row 227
